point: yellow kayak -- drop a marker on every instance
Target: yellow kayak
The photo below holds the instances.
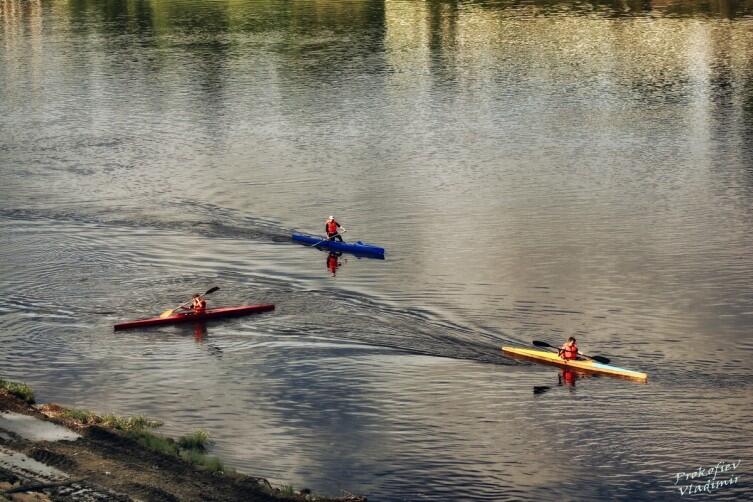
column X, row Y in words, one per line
column 542, row 356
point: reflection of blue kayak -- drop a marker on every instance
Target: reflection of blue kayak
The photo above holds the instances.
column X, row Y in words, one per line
column 358, row 247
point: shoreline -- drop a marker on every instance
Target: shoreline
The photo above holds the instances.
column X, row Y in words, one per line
column 49, row 452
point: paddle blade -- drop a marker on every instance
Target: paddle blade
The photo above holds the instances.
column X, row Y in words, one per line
column 542, row 344
column 211, row 290
column 600, row 359
column 167, row 313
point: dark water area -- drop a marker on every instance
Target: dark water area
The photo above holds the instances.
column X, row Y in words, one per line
column 535, row 170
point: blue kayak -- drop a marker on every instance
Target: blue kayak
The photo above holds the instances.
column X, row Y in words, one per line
column 357, row 247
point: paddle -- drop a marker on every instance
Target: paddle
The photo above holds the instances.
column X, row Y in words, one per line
column 168, row 313
column 340, row 233
column 540, row 389
column 598, row 359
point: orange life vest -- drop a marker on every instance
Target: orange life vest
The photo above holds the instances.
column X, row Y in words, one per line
column 569, row 351
column 199, row 304
column 332, row 227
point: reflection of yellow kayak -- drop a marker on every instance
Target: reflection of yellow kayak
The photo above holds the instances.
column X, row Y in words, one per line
column 541, row 356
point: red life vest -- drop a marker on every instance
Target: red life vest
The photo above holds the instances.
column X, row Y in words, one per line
column 332, row 227
column 569, row 352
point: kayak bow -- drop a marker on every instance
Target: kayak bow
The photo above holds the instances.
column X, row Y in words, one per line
column 357, row 248
column 187, row 317
column 589, row 366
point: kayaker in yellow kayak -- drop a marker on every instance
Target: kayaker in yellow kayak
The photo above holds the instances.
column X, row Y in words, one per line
column 569, row 350
column 331, row 227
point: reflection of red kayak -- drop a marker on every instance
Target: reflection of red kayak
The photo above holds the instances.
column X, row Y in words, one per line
column 187, row 317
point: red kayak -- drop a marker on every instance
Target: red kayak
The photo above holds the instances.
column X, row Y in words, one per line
column 187, row 317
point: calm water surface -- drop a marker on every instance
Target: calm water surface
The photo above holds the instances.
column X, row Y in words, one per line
column 535, row 170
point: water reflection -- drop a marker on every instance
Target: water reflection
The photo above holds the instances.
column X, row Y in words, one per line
column 566, row 378
column 725, row 9
column 201, row 336
column 200, row 331
column 334, row 262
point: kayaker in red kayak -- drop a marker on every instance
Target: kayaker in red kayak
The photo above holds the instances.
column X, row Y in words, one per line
column 198, row 305
column 569, row 350
column 331, row 227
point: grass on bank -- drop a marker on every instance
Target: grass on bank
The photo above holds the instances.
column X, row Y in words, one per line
column 20, row 390
column 191, row 447
column 125, row 424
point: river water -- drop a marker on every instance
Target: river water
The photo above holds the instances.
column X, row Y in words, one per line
column 535, row 170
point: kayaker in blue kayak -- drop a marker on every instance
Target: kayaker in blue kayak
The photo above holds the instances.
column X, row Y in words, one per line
column 569, row 350
column 331, row 227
